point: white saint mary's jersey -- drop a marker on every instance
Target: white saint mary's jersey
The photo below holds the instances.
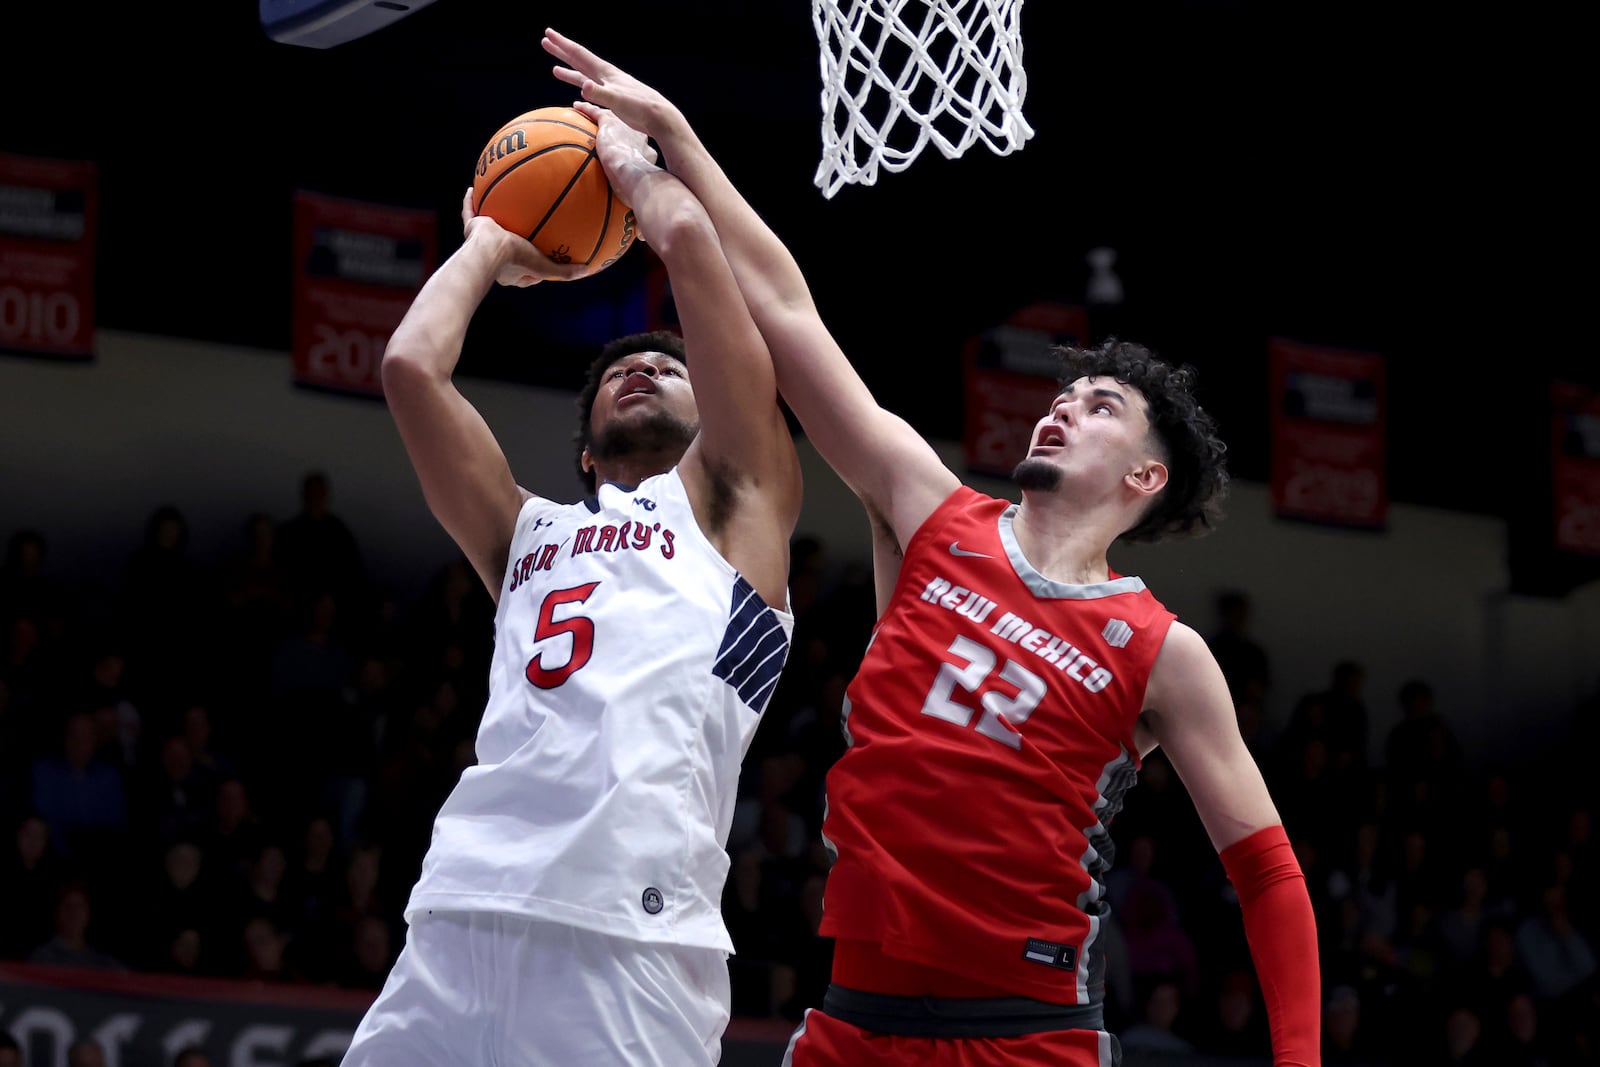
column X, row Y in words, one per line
column 631, row 666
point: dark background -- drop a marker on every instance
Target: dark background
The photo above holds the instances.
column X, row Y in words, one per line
column 1389, row 178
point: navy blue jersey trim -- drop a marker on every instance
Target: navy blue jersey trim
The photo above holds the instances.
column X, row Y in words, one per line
column 754, row 648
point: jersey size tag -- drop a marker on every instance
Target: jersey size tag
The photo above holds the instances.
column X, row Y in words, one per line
column 1051, row 954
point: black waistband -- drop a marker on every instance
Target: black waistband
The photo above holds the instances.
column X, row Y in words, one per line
column 880, row 1013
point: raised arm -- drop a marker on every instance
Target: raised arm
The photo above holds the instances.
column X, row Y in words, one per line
column 464, row 474
column 885, row 462
column 741, row 470
column 1191, row 716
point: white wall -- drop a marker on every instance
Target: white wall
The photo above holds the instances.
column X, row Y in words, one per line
column 87, row 451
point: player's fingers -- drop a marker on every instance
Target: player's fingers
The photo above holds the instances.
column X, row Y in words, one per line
column 575, row 54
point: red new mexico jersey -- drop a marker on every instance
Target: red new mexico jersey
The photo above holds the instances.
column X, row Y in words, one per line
column 990, row 734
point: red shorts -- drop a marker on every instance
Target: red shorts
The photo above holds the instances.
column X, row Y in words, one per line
column 822, row 1041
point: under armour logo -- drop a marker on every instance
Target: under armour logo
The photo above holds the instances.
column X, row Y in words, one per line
column 1117, row 633
column 957, row 550
column 543, row 522
column 645, row 502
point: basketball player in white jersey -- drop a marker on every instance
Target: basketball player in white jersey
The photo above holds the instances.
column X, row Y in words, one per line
column 568, row 908
column 1012, row 684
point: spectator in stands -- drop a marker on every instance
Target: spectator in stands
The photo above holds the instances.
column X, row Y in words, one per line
column 1421, row 747
column 30, row 882
column 183, row 900
column 1558, row 957
column 1345, row 1041
column 168, row 613
column 1155, row 1031
column 86, row 1053
column 318, row 551
column 80, row 797
column 1243, row 659
column 171, row 800
column 70, row 945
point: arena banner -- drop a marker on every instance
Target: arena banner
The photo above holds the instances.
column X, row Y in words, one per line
column 357, row 267
column 47, row 256
column 144, row 1020
column 1010, row 378
column 1575, row 467
column 1328, row 435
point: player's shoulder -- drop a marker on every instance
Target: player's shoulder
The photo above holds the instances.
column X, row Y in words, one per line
column 1184, row 652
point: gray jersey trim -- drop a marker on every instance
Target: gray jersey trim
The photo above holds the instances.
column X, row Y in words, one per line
column 1040, row 586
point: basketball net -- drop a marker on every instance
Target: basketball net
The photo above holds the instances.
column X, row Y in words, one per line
column 960, row 80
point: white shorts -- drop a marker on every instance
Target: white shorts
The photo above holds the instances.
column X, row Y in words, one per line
column 487, row 990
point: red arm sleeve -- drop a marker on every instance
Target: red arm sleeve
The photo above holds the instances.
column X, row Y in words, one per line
column 1282, row 932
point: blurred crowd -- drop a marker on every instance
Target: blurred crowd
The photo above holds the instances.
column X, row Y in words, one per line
column 231, row 771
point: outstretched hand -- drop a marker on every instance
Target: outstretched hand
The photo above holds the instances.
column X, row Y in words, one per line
column 610, row 87
column 523, row 263
column 625, row 155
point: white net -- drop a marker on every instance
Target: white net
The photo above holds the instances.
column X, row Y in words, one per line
column 897, row 74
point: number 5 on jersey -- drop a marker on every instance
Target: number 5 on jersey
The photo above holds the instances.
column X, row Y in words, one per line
column 579, row 627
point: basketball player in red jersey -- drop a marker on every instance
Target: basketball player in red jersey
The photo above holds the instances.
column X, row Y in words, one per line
column 1012, row 685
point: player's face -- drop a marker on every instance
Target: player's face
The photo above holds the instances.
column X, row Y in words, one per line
column 1096, row 429
column 644, row 402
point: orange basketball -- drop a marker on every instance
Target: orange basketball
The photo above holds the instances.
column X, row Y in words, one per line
column 539, row 176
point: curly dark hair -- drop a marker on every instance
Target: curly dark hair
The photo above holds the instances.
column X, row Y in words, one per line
column 1197, row 475
column 663, row 341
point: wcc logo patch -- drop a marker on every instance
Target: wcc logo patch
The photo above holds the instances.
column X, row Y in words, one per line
column 652, row 901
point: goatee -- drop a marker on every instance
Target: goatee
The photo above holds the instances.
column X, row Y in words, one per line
column 1036, row 474
column 658, row 432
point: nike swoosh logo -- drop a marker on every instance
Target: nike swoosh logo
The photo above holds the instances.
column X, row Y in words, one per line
column 957, row 550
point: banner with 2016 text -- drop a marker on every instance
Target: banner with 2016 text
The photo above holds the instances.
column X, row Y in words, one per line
column 47, row 256
column 1575, row 467
column 1010, row 376
column 1328, row 435
column 357, row 267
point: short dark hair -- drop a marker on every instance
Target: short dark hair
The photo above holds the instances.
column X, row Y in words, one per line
column 663, row 341
column 1197, row 475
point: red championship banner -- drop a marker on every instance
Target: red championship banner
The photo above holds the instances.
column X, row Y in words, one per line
column 1575, row 467
column 1328, row 435
column 357, row 267
column 1011, row 377
column 47, row 251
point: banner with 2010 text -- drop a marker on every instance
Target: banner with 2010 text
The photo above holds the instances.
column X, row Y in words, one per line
column 357, row 267
column 47, row 256
column 1575, row 467
column 1328, row 435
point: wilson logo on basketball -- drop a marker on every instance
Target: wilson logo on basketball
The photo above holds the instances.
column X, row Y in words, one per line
column 494, row 151
column 626, row 241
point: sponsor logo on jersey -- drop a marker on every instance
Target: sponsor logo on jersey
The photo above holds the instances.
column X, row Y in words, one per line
column 957, row 550
column 653, row 901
